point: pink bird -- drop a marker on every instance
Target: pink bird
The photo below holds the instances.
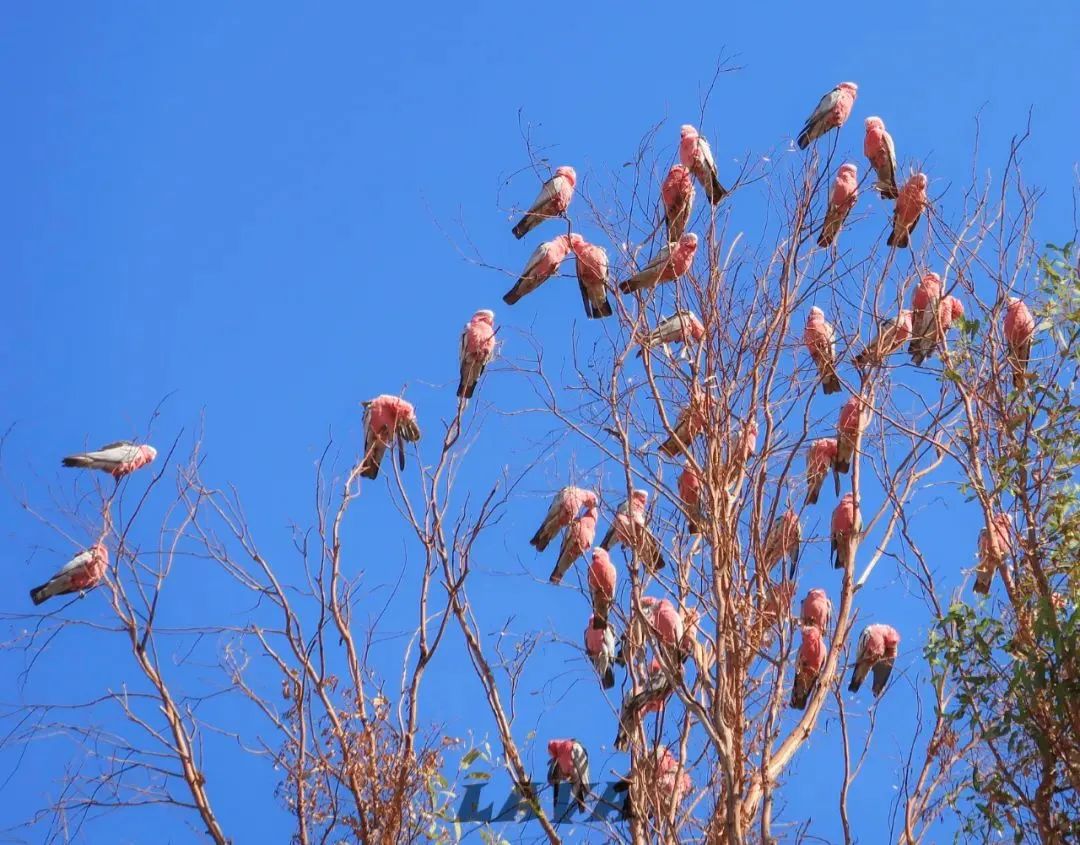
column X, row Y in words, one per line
column 696, row 155
column 831, row 112
column 673, row 783
column 569, row 764
column 820, row 340
column 846, row 524
column 879, row 150
column 877, row 651
column 816, row 610
column 564, row 509
column 690, row 494
column 541, row 266
column 924, row 305
column 386, row 419
column 477, row 350
column 1019, row 330
column 672, row 262
column 629, row 530
column 602, row 580
column 600, row 649
column 681, row 327
column 677, row 193
column 577, row 540
column 552, row 201
column 783, row 540
column 650, row 698
column 891, row 337
column 664, row 620
column 808, row 666
column 949, row 309
column 82, row 572
column 910, row 204
column 844, row 195
column 994, row 547
column 592, row 276
column 820, row 458
column 692, row 420
column 118, row 459
column 853, row 419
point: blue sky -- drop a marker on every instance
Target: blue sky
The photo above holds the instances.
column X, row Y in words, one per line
column 251, row 213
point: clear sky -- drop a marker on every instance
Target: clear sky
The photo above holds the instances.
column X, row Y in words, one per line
column 250, row 212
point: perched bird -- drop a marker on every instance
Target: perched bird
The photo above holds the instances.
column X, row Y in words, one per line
column 386, row 419
column 681, row 327
column 569, row 764
column 746, row 441
column 994, row 546
column 650, row 698
column 602, row 580
column 564, row 508
column 877, row 651
column 879, row 150
column 696, row 155
column 577, row 540
column 665, row 622
column 1019, row 330
column 783, row 540
column 541, row 266
column 846, row 524
column 853, row 419
column 673, row 783
column 816, row 610
column 690, row 494
column 553, row 200
column 949, row 309
column 118, row 459
column 910, row 204
column 592, row 276
column 600, row 649
column 677, row 194
column 891, row 337
column 820, row 458
column 692, row 420
column 477, row 350
column 820, row 341
column 808, row 666
column 842, row 198
column 924, row 306
column 831, row 112
column 629, row 530
column 777, row 604
column 82, row 572
column 672, row 262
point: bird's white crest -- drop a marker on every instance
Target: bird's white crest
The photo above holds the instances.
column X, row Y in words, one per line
column 688, row 131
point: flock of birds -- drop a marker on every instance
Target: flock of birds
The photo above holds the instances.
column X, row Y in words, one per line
column 390, row 420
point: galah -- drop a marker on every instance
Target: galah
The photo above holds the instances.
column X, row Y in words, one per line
column 994, row 546
column 816, row 610
column 577, row 540
column 677, row 194
column 600, row 649
column 673, row 782
column 852, row 420
column 569, row 764
column 552, row 201
column 910, row 204
column 592, row 276
column 783, row 540
column 949, row 309
column 820, row 459
column 1019, row 330
column 745, row 442
column 629, row 530
column 879, row 150
column 877, row 651
column 564, row 508
column 118, row 459
column 777, row 604
column 386, row 419
column 845, row 526
column 477, row 350
column 924, row 306
column 649, row 698
column 696, row 155
column 690, row 495
column 831, row 112
column 541, row 266
column 671, row 262
column 820, row 340
column 842, row 199
column 664, row 621
column 602, row 580
column 82, row 572
column 692, row 420
column 681, row 327
column 808, row 666
column 891, row 336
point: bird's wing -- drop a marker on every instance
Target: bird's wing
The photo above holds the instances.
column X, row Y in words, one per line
column 546, row 195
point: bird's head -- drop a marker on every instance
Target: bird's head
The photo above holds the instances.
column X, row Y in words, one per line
column 956, row 307
column 816, row 593
column 577, row 243
column 919, row 180
column 556, row 747
column 588, row 498
column 892, row 639
column 600, row 557
column 850, row 87
column 874, row 123
column 640, row 497
column 568, row 173
column 816, row 315
column 811, row 636
column 849, row 171
column 485, row 316
column 688, row 131
column 688, row 241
